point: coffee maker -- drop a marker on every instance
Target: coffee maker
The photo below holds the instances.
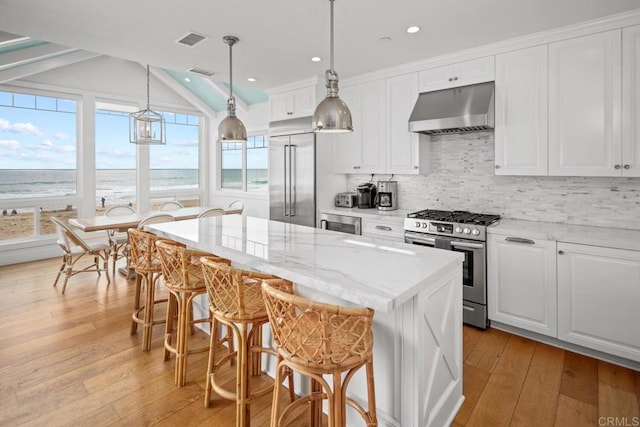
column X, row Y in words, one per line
column 387, row 199
column 366, row 195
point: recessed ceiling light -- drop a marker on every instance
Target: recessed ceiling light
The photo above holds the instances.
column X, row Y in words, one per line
column 412, row 30
column 316, row 59
column 251, row 79
column 187, row 79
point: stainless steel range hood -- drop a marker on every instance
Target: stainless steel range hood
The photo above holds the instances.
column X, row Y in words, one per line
column 461, row 109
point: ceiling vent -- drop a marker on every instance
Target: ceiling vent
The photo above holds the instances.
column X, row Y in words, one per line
column 191, row 39
column 201, row 72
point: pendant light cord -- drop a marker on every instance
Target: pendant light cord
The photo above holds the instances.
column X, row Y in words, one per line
column 231, row 70
column 148, row 108
column 331, row 39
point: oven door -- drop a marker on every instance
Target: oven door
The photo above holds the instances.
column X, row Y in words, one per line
column 473, row 268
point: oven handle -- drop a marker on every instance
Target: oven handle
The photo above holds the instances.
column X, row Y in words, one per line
column 467, row 245
column 415, row 237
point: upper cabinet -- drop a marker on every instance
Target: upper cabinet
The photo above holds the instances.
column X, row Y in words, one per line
column 363, row 150
column 521, row 112
column 631, row 101
column 292, row 104
column 459, row 74
column 585, row 102
column 405, row 153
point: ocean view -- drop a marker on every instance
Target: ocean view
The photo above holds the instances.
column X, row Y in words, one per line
column 118, row 184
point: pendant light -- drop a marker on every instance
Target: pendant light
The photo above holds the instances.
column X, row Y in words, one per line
column 332, row 115
column 146, row 126
column 231, row 128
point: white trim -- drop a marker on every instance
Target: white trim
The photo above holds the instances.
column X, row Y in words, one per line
column 312, row 81
column 32, row 68
column 221, row 90
column 34, row 53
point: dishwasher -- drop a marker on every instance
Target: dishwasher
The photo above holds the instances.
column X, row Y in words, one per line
column 342, row 223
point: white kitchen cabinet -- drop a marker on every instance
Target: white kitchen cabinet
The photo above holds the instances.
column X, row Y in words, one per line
column 406, row 153
column 521, row 112
column 459, row 74
column 292, row 104
column 521, row 288
column 363, row 150
column 598, row 296
column 390, row 228
column 585, row 102
column 631, row 101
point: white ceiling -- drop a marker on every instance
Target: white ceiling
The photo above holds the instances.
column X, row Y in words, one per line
column 278, row 37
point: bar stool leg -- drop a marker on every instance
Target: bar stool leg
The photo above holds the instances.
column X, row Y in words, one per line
column 242, row 387
column 213, row 341
column 136, row 302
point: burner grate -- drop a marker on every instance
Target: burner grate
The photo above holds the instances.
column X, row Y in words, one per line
column 460, row 217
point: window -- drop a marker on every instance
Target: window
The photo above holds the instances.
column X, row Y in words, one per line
column 245, row 167
column 37, row 161
column 174, row 170
column 115, row 158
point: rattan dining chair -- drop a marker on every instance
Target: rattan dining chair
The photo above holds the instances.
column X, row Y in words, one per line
column 146, row 262
column 76, row 245
column 171, row 206
column 316, row 339
column 183, row 278
column 119, row 239
column 235, row 300
column 212, row 212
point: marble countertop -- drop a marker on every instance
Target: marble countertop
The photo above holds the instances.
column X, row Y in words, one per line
column 397, row 215
column 360, row 270
column 568, row 233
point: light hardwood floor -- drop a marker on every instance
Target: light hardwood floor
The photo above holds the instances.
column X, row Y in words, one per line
column 69, row 360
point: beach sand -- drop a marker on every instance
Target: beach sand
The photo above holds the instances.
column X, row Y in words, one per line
column 21, row 225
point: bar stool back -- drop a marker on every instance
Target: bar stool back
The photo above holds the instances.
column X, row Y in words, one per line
column 146, row 262
column 316, row 339
column 235, row 299
column 183, row 278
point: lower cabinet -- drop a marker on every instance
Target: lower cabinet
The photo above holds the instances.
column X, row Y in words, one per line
column 599, row 298
column 521, row 275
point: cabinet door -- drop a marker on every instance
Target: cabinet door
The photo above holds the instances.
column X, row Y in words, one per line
column 631, row 101
column 344, row 144
column 598, row 296
column 278, row 107
column 405, row 154
column 585, row 105
column 521, row 112
column 521, row 289
column 371, row 144
column 459, row 74
column 303, row 101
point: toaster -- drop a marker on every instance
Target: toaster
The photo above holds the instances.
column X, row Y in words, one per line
column 345, row 200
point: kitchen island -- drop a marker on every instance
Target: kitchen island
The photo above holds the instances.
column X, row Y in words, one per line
column 415, row 291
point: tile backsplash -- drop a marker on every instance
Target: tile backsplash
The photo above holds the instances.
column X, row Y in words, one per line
column 462, row 178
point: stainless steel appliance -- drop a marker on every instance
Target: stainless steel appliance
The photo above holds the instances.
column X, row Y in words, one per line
column 343, row 223
column 460, row 109
column 346, row 200
column 387, row 197
column 463, row 232
column 366, row 195
column 292, row 176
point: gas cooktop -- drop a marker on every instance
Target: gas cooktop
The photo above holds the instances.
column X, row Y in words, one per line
column 459, row 217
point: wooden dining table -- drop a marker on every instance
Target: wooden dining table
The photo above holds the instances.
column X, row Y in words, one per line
column 124, row 222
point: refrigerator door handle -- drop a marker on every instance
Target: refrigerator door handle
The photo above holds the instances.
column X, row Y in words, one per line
column 286, row 147
column 292, row 180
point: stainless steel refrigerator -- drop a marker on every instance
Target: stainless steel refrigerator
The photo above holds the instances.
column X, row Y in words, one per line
column 292, row 178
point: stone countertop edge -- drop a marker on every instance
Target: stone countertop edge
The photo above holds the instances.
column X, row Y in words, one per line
column 373, row 213
column 617, row 238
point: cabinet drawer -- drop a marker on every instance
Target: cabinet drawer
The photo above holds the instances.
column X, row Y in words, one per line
column 392, row 229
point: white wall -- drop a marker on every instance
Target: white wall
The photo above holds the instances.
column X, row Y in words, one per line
column 462, row 178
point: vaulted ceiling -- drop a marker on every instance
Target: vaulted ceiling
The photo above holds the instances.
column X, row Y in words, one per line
column 277, row 37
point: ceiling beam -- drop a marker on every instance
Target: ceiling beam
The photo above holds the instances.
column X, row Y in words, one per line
column 32, row 54
column 178, row 88
column 224, row 91
column 43, row 65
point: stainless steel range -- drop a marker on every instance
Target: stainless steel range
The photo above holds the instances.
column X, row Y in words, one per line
column 464, row 232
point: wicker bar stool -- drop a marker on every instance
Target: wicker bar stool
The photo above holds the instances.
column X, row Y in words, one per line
column 183, row 278
column 235, row 300
column 316, row 339
column 146, row 262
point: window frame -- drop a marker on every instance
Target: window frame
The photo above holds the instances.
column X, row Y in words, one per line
column 257, row 194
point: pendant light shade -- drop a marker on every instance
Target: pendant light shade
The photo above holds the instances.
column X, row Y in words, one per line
column 146, row 126
column 332, row 114
column 231, row 129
